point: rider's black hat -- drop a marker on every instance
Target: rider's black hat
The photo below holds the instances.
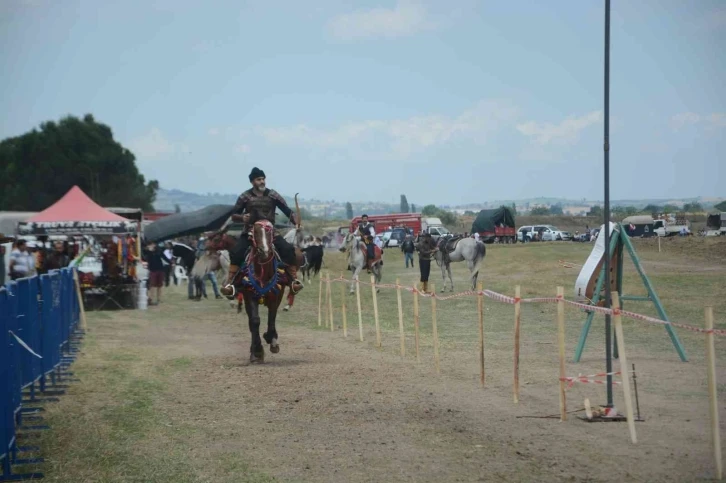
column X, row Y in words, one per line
column 256, row 173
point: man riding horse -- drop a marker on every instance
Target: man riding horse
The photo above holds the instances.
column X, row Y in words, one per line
column 260, row 203
column 367, row 234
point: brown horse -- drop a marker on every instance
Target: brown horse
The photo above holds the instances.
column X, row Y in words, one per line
column 262, row 281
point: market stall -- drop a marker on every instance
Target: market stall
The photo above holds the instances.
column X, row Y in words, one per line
column 104, row 247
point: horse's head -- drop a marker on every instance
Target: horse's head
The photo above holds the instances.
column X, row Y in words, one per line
column 347, row 241
column 262, row 236
column 219, row 241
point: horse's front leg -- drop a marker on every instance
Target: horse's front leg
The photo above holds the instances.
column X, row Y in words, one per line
column 273, row 302
column 257, row 352
column 443, row 275
column 356, row 271
column 448, row 270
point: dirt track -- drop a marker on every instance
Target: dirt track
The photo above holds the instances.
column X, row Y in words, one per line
column 331, row 409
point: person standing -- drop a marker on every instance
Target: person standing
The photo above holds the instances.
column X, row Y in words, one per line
column 21, row 262
column 57, row 259
column 3, row 239
column 156, row 272
column 168, row 261
column 407, row 247
column 426, row 250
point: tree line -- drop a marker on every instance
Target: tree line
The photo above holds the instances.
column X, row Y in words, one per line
column 39, row 167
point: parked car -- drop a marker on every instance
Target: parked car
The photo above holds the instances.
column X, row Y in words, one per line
column 551, row 233
column 524, row 234
column 394, row 238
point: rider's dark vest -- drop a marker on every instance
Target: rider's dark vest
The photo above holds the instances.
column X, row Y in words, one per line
column 262, row 207
column 364, row 230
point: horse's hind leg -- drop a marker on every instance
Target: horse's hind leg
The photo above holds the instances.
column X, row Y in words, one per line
column 473, row 269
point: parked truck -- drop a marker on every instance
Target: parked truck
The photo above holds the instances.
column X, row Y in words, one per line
column 647, row 226
column 716, row 224
column 381, row 223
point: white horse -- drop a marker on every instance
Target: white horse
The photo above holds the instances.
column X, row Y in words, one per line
column 357, row 259
column 468, row 249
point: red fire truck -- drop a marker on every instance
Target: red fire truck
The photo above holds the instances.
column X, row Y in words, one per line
column 382, row 222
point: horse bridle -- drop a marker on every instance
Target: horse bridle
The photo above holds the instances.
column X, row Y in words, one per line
column 268, row 228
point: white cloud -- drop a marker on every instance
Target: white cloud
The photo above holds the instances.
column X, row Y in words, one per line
column 406, row 18
column 399, row 138
column 242, row 149
column 213, row 131
column 565, row 132
column 153, row 145
column 711, row 121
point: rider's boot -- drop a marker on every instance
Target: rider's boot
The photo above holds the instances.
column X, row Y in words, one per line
column 227, row 288
column 296, row 285
column 425, row 288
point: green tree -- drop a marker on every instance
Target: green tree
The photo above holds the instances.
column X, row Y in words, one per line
column 40, row 166
column 694, row 207
column 670, row 209
column 540, row 211
column 447, row 217
column 348, row 210
column 595, row 211
column 721, row 206
column 177, row 208
column 514, row 208
column 413, row 208
column 650, row 209
column 556, row 209
column 429, row 210
column 404, row 204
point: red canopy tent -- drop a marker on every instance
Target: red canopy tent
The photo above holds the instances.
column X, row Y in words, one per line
column 76, row 214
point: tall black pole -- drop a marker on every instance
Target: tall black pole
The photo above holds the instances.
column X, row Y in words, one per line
column 606, row 148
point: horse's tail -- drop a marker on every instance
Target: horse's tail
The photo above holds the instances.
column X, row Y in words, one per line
column 481, row 252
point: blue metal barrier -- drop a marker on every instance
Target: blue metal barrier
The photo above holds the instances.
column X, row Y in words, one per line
column 38, row 325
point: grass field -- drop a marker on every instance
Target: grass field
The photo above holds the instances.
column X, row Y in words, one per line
column 167, row 395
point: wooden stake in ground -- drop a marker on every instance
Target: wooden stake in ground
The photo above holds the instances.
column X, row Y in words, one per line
column 624, row 368
column 326, row 302
column 561, row 343
column 343, row 309
column 360, row 312
column 330, row 305
column 320, row 302
column 713, row 403
column 375, row 310
column 80, row 299
column 480, row 306
column 435, row 328
column 517, row 313
column 416, row 322
column 400, row 318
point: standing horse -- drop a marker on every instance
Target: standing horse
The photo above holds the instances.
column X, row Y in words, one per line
column 357, row 259
column 468, row 249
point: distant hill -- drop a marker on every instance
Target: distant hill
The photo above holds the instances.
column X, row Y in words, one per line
column 168, row 200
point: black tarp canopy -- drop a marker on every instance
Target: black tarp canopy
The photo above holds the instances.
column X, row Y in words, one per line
column 209, row 218
column 486, row 220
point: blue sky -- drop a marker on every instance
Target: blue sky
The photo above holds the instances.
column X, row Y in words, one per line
column 447, row 102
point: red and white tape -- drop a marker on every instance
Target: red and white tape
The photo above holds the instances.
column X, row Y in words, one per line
column 538, row 300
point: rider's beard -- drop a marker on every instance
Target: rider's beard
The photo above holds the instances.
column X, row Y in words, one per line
column 260, row 187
